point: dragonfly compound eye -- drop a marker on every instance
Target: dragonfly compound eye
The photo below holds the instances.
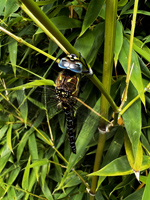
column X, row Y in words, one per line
column 71, row 63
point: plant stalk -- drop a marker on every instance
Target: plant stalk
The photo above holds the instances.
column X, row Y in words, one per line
column 133, row 22
column 110, row 30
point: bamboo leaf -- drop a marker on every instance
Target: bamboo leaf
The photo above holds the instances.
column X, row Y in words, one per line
column 12, row 47
column 39, row 163
column 47, row 191
column 9, row 134
column 25, row 181
column 140, row 48
column 136, row 162
column 82, row 45
column 136, row 77
column 10, row 7
column 91, row 14
column 122, row 3
column 33, row 151
column 137, row 195
column 118, row 41
column 132, row 120
column 120, row 167
column 34, row 84
column 11, row 194
column 37, row 103
column 64, row 22
column 146, row 194
column 21, row 98
column 3, row 131
column 25, row 138
column 3, row 160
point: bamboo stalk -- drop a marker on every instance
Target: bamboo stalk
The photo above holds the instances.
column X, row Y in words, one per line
column 20, row 40
column 125, row 93
column 110, row 28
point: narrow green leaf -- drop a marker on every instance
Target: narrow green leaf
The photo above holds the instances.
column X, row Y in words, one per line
column 136, row 77
column 25, row 181
column 21, row 98
column 33, row 151
column 9, row 133
column 140, row 48
column 122, row 3
column 64, row 22
column 47, row 191
column 34, row 83
column 12, row 47
column 10, row 7
column 73, row 180
column 93, row 10
column 143, row 179
column 39, row 163
column 4, row 160
column 120, row 167
column 113, row 151
column 32, row 181
column 3, row 131
column 98, row 33
column 118, row 41
column 146, row 194
column 126, row 7
column 80, row 195
column 132, row 120
column 44, row 172
column 37, row 103
column 12, row 177
column 83, row 46
column 25, row 138
column 12, row 193
column 137, row 195
column 136, row 162
column 2, row 7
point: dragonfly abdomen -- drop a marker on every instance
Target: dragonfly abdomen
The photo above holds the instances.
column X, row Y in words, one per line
column 70, row 129
column 67, row 88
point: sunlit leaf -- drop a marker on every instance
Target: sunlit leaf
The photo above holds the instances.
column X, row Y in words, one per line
column 132, row 120
column 146, row 194
column 120, row 166
column 34, row 83
column 9, row 136
column 47, row 191
column 25, row 181
column 135, row 162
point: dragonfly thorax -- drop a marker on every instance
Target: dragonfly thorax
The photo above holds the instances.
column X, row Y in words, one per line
column 67, row 88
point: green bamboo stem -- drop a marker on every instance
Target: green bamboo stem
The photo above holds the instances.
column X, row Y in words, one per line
column 110, row 28
column 125, row 93
column 39, row 17
column 20, row 40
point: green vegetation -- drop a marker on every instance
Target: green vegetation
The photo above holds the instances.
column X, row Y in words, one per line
column 112, row 159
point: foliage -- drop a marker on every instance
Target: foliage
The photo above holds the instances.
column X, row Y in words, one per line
column 34, row 148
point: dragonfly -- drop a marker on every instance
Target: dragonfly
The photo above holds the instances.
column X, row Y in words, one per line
column 66, row 95
column 67, row 90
